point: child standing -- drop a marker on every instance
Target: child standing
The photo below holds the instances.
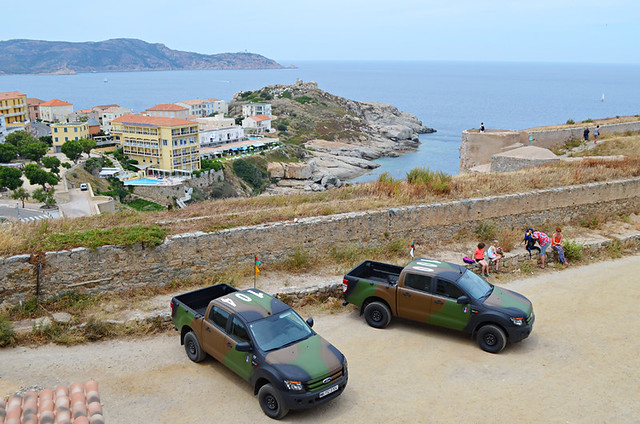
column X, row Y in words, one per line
column 479, row 257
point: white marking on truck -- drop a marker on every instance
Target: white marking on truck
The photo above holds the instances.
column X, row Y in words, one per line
column 256, row 294
column 229, row 301
column 243, row 296
column 419, row 268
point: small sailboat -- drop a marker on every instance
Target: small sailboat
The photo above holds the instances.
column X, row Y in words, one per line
column 602, row 98
column 106, row 80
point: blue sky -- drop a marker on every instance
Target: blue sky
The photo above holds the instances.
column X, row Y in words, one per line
column 290, row 30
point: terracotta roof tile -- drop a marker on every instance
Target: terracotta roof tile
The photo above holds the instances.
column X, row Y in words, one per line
column 78, row 404
column 211, row 99
column 152, row 120
column 167, row 106
column 103, row 107
column 192, row 102
column 11, row 95
column 260, row 117
column 32, row 101
column 55, row 102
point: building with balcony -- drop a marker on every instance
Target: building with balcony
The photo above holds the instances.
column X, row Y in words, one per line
column 217, row 130
column 168, row 110
column 66, row 131
column 13, row 105
column 204, row 107
column 109, row 114
column 160, row 145
column 55, row 110
column 257, row 124
column 253, row 109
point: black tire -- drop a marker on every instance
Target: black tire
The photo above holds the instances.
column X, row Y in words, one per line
column 377, row 314
column 192, row 347
column 271, row 402
column 491, row 338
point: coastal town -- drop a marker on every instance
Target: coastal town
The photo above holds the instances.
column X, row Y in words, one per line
column 163, row 145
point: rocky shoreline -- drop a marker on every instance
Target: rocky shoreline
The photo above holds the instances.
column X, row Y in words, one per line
column 361, row 132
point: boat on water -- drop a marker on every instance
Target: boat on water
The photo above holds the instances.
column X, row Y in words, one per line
column 602, row 98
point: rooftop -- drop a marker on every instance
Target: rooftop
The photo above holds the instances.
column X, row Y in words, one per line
column 11, row 95
column 31, row 101
column 152, row 120
column 56, row 102
column 167, row 106
column 260, row 117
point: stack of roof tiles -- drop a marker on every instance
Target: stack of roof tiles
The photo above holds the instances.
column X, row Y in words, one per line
column 77, row 404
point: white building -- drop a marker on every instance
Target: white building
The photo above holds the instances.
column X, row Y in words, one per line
column 55, row 110
column 257, row 124
column 204, row 107
column 253, row 109
column 109, row 114
column 216, row 131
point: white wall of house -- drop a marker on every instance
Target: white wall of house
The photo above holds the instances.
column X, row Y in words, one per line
column 212, row 137
column 3, row 129
column 110, row 114
column 252, row 109
column 256, row 125
column 55, row 113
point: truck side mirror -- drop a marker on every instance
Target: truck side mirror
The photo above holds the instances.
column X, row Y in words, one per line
column 463, row 300
column 310, row 322
column 243, row 347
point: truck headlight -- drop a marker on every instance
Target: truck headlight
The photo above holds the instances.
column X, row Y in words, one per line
column 517, row 320
column 294, row 386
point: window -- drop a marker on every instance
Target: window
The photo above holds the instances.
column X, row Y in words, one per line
column 65, row 129
column 165, row 142
column 418, row 282
column 75, row 129
column 56, row 138
column 447, row 289
column 239, row 331
column 219, row 317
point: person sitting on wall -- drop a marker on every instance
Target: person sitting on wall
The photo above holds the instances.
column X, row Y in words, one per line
column 529, row 242
column 557, row 245
column 494, row 253
column 479, row 257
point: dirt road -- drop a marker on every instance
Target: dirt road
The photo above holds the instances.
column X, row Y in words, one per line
column 580, row 365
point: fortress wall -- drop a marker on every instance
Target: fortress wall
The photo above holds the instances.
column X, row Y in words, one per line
column 182, row 257
column 477, row 148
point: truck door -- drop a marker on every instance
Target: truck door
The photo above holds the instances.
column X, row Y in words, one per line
column 445, row 310
column 214, row 335
column 238, row 362
column 413, row 298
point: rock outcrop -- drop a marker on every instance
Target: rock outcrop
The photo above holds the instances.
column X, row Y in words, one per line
column 341, row 136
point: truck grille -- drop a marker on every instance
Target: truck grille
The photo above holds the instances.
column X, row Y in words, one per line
column 319, row 383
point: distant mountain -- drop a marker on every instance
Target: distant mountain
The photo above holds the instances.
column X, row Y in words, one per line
column 121, row 54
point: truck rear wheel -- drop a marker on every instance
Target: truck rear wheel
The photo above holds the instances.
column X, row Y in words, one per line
column 192, row 347
column 491, row 338
column 377, row 314
column 271, row 402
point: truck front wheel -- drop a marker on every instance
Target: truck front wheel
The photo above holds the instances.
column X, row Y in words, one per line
column 271, row 402
column 491, row 338
column 377, row 314
column 192, row 347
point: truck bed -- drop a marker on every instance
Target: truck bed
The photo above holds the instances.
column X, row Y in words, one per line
column 198, row 300
column 376, row 271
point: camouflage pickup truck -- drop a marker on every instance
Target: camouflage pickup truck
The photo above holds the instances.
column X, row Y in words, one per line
column 439, row 293
column 265, row 342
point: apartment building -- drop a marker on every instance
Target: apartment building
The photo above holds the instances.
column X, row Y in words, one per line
column 13, row 105
column 55, row 110
column 65, row 131
column 111, row 113
column 3, row 129
column 159, row 144
column 217, row 130
column 168, row 110
column 204, row 107
column 253, row 109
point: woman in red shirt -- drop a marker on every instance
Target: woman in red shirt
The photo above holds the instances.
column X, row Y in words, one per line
column 479, row 257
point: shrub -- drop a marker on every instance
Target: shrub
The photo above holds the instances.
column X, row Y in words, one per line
column 486, row 231
column 614, row 249
column 587, row 121
column 299, row 259
column 286, row 95
column 573, row 251
column 305, row 99
column 437, row 182
column 251, row 174
column 7, row 335
column 570, row 122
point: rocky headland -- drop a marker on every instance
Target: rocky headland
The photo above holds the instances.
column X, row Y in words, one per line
column 123, row 54
column 340, row 137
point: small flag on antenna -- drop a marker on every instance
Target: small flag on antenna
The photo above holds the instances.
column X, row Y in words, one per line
column 412, row 248
column 257, row 270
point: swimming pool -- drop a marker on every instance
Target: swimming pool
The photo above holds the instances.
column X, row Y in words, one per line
column 143, row 181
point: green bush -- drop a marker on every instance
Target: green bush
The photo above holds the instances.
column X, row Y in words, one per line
column 286, row 95
column 486, row 231
column 251, row 174
column 299, row 259
column 570, row 122
column 145, row 206
column 7, row 335
column 437, row 182
column 207, row 164
column 305, row 99
column 573, row 251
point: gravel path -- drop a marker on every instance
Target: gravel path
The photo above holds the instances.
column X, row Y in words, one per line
column 580, row 365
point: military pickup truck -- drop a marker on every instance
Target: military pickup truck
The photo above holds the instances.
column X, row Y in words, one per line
column 265, row 342
column 439, row 293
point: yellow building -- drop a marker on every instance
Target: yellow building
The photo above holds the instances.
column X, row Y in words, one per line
column 13, row 105
column 160, row 145
column 61, row 132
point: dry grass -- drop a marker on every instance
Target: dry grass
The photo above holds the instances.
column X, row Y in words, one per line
column 228, row 213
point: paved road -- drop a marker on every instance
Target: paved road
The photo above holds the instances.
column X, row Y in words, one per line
column 580, row 365
column 79, row 204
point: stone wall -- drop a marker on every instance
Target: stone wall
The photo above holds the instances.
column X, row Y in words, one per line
column 477, row 148
column 184, row 256
column 164, row 195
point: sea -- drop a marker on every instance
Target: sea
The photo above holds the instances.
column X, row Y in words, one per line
column 447, row 96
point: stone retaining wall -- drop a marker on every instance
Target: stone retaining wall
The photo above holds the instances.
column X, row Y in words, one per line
column 477, row 148
column 184, row 256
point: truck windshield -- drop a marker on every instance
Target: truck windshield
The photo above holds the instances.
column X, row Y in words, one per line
column 475, row 286
column 280, row 330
